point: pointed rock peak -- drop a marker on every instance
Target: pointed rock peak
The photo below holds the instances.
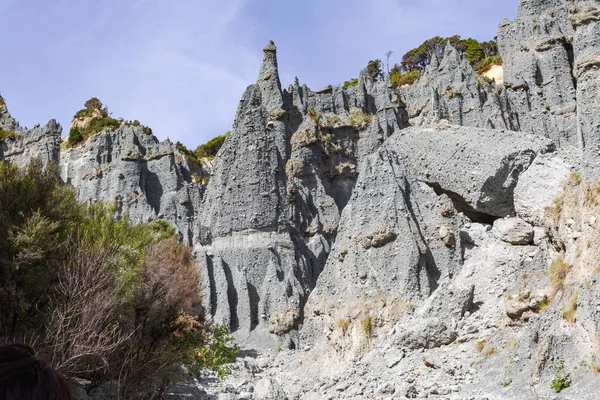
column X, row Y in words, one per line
column 270, row 47
column 465, row 64
column 6, row 120
column 451, row 56
column 268, row 78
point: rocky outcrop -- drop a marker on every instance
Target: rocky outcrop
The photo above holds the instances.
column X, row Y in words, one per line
column 267, row 230
column 401, row 203
column 26, row 144
column 144, row 178
column 451, row 90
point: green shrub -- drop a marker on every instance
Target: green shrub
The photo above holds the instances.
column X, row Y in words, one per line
column 75, row 136
column 208, row 150
column 561, row 378
column 100, row 120
column 220, row 352
column 7, row 134
column 78, row 135
column 350, row 83
column 398, row 79
column 486, row 62
column 361, row 120
column 103, row 298
column 212, row 147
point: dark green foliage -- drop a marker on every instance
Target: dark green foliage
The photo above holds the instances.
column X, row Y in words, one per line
column 473, row 51
column 99, row 120
column 95, row 125
column 93, row 105
column 212, row 147
column 419, row 58
column 207, row 150
column 218, row 354
column 36, row 215
column 350, row 83
column 2, row 102
column 103, row 299
column 374, row 71
column 75, row 136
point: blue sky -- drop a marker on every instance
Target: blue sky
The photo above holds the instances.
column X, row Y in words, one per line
column 180, row 66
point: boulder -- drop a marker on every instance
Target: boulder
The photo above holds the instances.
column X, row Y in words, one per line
column 539, row 186
column 513, row 230
column 427, row 333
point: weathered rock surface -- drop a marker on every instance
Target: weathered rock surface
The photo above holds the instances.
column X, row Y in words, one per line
column 513, row 230
column 450, row 90
column 40, row 142
column 266, row 231
column 455, row 258
column 141, row 176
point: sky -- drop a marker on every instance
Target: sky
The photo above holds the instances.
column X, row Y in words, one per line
column 181, row 66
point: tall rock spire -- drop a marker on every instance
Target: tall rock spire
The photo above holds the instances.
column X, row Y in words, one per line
column 268, row 78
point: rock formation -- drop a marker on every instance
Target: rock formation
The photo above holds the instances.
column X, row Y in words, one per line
column 436, row 240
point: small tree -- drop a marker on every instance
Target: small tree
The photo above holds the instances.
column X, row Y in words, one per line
column 374, row 72
column 93, row 104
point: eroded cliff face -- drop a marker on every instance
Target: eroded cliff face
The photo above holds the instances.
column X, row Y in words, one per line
column 265, row 232
column 25, row 144
column 407, row 237
column 144, row 178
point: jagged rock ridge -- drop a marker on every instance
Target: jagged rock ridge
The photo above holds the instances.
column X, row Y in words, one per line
column 415, row 257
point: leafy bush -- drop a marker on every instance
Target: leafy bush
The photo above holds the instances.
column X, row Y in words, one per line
column 350, row 83
column 561, row 378
column 105, row 299
column 7, row 134
column 486, row 62
column 78, row 135
column 360, row 120
column 220, row 352
column 99, row 119
column 398, row 79
column 212, row 147
column 208, row 150
column 374, row 71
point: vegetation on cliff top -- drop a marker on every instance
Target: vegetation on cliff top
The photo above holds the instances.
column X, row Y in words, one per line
column 479, row 54
column 99, row 298
column 94, row 118
column 207, row 150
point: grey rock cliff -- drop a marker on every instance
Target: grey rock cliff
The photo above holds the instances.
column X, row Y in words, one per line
column 39, row 142
column 279, row 185
column 141, row 176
